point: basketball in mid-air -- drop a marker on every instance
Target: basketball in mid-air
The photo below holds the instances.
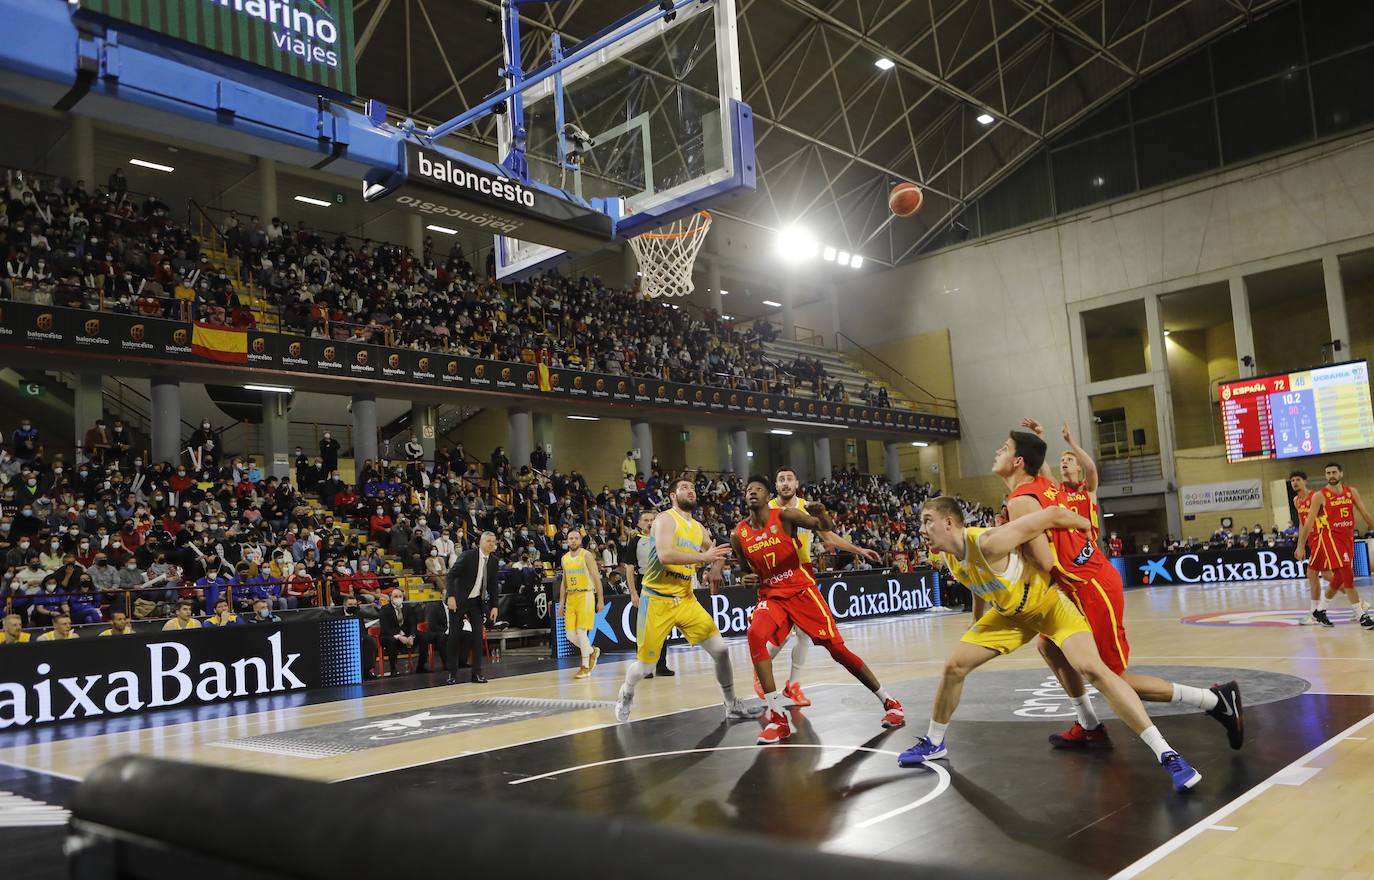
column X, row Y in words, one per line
column 905, row 199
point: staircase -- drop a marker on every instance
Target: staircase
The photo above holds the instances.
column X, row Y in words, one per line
column 214, row 246
column 837, row 366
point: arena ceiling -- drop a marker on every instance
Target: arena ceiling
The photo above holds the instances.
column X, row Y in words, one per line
column 834, row 132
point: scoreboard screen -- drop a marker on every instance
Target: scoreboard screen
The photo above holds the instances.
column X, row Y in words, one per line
column 1290, row 415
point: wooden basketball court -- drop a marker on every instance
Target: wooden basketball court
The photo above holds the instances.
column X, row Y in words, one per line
column 1292, row 803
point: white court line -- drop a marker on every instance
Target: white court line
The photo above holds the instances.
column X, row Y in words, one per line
column 1156, row 855
column 40, row 770
column 1222, row 828
column 940, row 786
column 1358, row 738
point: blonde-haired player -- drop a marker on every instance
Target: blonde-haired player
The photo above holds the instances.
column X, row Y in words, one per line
column 1022, row 604
column 786, row 485
column 678, row 544
column 580, row 597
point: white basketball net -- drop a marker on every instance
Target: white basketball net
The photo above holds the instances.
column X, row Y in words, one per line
column 666, row 256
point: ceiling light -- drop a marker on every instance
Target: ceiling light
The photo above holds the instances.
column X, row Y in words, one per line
column 144, row 163
column 1166, row 332
column 919, row 443
column 795, row 244
column 856, row 261
column 319, row 203
column 1108, row 514
column 771, row 304
column 585, row 418
column 724, row 292
column 782, row 431
column 726, row 318
column 984, row 118
column 828, row 254
column 751, row 455
column 884, row 64
column 1099, row 180
column 277, row 389
column 444, row 229
column 843, row 258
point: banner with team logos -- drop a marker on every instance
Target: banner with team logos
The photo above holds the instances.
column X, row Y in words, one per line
column 25, row 325
column 851, row 596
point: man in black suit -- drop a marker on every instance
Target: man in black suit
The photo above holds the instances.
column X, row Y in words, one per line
column 400, row 631
column 470, row 594
column 436, row 635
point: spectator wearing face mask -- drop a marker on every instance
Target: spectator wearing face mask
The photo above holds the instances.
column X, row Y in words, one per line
column 329, row 453
column 25, row 441
column 46, row 603
column 203, row 450
column 379, row 524
column 97, row 443
column 400, row 631
column 262, row 612
column 300, row 587
column 84, row 604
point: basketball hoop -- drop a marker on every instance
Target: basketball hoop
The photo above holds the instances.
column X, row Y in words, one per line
column 666, row 256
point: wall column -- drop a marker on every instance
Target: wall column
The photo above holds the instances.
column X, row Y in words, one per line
column 364, row 430
column 798, row 457
column 87, row 404
column 739, row 452
column 424, row 421
column 629, row 265
column 543, row 433
column 821, row 446
column 415, row 235
column 723, row 460
column 713, row 296
column 891, row 462
column 521, row 442
column 267, row 190
column 835, row 327
column 83, row 151
column 276, row 461
column 1335, row 306
column 166, row 418
column 642, row 437
column 1164, row 411
column 1240, row 321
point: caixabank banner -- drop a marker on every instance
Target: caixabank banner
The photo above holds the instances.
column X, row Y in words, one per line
column 106, row 334
column 44, row 682
column 306, row 39
column 1222, row 566
column 851, row 596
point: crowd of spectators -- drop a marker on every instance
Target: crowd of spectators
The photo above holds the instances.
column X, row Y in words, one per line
column 70, row 244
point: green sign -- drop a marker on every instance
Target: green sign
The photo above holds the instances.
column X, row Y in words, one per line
column 32, row 389
column 307, row 39
column 684, row 436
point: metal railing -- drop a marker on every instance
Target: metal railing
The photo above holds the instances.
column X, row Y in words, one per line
column 923, row 399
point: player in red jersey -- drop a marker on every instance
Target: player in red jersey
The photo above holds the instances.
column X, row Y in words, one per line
column 1302, row 503
column 1332, row 519
column 1084, row 573
column 765, row 543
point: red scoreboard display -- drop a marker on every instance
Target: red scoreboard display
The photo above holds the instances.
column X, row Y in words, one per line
column 1291, row 415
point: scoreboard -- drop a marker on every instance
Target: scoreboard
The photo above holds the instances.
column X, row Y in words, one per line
column 1290, row 415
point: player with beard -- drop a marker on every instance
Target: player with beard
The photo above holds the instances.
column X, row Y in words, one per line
column 1083, row 573
column 786, row 484
column 1332, row 519
column 678, row 545
column 765, row 542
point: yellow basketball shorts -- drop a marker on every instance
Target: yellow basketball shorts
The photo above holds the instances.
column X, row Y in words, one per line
column 580, row 611
column 1056, row 619
column 658, row 615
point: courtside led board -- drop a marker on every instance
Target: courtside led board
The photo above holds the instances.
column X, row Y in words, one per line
column 310, row 40
column 1292, row 415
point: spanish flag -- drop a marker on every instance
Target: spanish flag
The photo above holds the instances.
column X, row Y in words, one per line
column 544, row 382
column 220, row 344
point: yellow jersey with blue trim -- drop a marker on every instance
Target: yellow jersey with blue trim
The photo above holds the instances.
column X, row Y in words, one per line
column 803, row 535
column 575, row 572
column 1021, row 587
column 674, row 581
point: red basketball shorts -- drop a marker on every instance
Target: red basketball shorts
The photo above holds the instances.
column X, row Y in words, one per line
column 1102, row 601
column 1331, row 554
column 774, row 618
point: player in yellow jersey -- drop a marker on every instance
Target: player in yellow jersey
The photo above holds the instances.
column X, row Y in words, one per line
column 786, row 484
column 1022, row 603
column 678, row 545
column 580, row 597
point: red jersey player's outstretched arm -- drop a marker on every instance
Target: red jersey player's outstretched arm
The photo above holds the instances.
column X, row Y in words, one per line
column 1300, row 550
column 1359, row 505
column 999, row 541
column 1039, row 430
column 1085, row 461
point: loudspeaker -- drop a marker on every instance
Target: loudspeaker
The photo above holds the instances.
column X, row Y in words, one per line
column 1138, row 436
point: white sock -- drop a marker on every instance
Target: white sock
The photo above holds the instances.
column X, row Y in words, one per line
column 1357, row 607
column 882, row 695
column 1198, row 698
column 774, row 701
column 1321, row 603
column 635, row 673
column 1315, row 603
column 936, row 732
column 1087, row 715
column 803, row 644
column 1155, row 740
column 725, row 673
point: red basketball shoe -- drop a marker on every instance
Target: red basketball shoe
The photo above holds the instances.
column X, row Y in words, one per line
column 777, row 730
column 793, row 692
column 893, row 715
column 1078, row 737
